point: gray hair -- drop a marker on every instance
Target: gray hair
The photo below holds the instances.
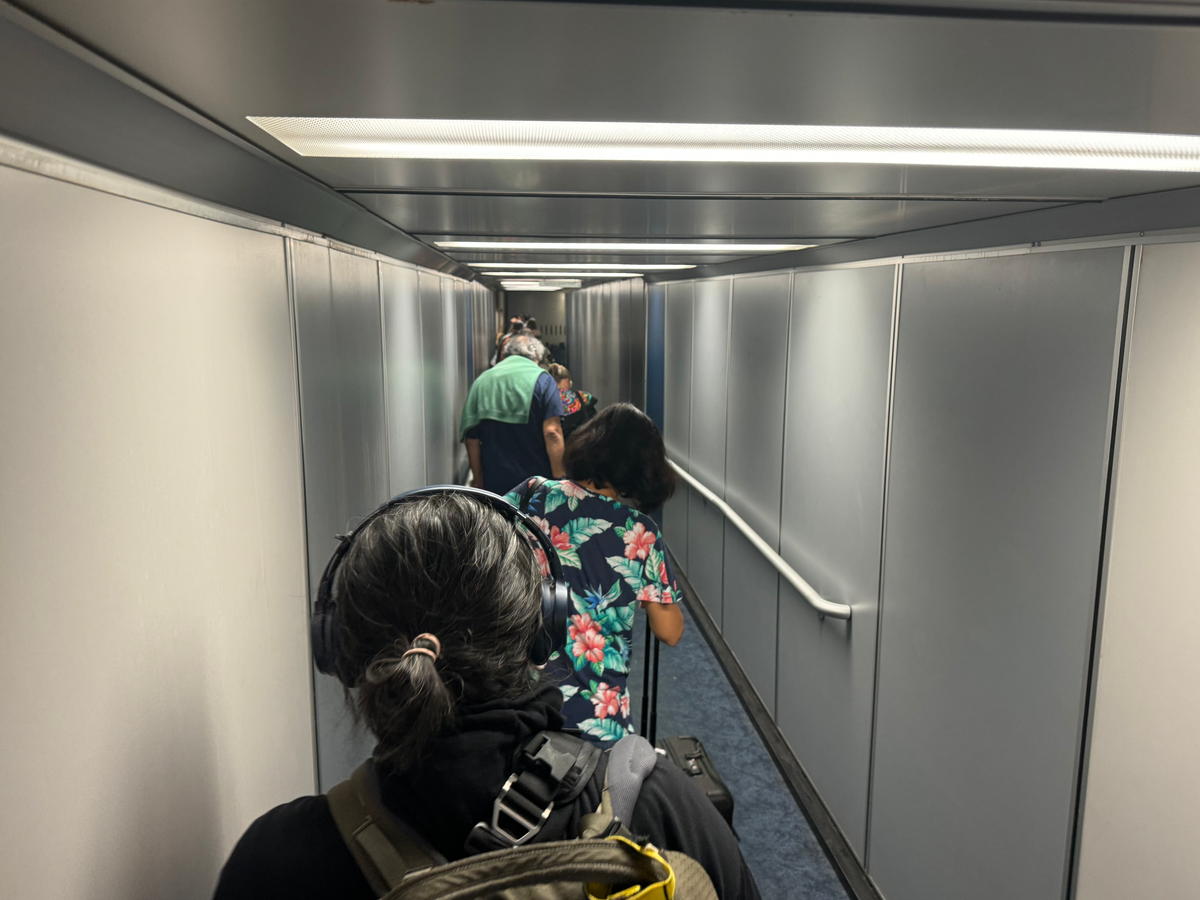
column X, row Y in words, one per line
column 525, row 345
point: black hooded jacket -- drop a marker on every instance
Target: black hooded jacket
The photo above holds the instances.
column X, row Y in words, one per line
column 295, row 852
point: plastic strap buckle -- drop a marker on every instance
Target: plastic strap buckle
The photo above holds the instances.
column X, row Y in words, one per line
column 519, row 810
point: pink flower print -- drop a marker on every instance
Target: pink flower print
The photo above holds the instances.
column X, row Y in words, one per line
column 581, row 623
column 662, row 572
column 649, row 594
column 540, row 555
column 560, row 539
column 607, row 701
column 625, row 704
column 572, row 490
column 668, row 596
column 589, row 642
column 638, row 542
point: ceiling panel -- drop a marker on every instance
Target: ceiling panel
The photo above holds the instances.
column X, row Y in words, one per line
column 229, row 59
column 470, row 59
column 679, row 218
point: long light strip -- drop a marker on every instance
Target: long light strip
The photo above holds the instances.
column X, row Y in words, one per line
column 692, row 248
column 552, row 275
column 535, row 286
column 641, row 267
column 682, row 142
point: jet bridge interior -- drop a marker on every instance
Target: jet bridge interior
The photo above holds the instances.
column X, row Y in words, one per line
column 911, row 289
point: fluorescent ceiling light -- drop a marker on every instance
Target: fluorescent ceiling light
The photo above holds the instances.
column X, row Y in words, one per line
column 680, row 142
column 562, row 274
column 535, row 286
column 647, row 267
column 692, row 247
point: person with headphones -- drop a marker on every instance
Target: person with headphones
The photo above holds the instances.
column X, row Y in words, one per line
column 435, row 615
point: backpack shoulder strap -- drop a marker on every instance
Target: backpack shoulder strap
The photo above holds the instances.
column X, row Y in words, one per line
column 553, row 768
column 386, row 849
column 630, row 760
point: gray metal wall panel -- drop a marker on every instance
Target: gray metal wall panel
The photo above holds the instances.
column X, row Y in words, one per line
column 710, row 358
column 753, row 469
column 402, row 356
column 1141, row 822
column 609, row 344
column 359, row 329
column 831, row 527
column 154, row 671
column 637, row 344
column 462, row 349
column 345, row 465
column 454, row 374
column 677, row 407
column 438, row 452
column 622, row 304
column 997, row 480
column 319, row 402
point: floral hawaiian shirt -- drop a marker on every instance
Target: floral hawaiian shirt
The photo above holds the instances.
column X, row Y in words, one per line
column 612, row 558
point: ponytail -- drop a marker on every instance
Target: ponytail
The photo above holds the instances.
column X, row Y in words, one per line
column 444, row 565
column 404, row 700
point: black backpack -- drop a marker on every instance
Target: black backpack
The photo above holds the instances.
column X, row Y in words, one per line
column 604, row 860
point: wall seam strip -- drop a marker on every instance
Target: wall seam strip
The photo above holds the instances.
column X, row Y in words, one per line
column 893, row 349
column 289, row 262
column 787, row 369
column 1120, row 381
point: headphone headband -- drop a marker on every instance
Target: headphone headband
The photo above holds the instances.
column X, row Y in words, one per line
column 551, row 636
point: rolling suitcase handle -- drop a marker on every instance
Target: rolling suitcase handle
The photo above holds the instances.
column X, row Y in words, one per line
column 650, row 687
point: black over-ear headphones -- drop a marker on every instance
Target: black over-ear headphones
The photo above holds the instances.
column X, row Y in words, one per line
column 556, row 601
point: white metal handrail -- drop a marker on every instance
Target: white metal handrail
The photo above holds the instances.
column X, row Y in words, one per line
column 807, row 591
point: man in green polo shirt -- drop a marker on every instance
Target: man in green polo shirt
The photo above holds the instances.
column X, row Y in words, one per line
column 512, row 420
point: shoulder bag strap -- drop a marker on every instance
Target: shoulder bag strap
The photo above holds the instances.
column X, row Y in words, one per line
column 381, row 845
column 531, row 488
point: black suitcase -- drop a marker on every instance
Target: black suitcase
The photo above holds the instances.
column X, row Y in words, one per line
column 685, row 751
column 688, row 754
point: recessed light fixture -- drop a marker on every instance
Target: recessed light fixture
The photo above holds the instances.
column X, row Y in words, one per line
column 552, row 275
column 684, row 142
column 692, row 248
column 643, row 267
column 536, row 286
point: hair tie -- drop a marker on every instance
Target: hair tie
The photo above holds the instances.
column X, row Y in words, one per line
column 432, row 654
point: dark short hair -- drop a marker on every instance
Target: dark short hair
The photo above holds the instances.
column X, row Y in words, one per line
column 621, row 448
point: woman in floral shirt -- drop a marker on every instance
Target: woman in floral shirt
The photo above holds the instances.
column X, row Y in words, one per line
column 612, row 557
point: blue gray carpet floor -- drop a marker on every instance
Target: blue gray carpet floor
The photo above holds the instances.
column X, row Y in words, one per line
column 695, row 698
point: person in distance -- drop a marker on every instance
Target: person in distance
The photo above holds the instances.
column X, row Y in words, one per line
column 439, row 601
column 512, row 419
column 579, row 406
column 613, row 558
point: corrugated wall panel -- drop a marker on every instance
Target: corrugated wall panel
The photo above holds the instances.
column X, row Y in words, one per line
column 677, row 409
column 1001, row 427
column 758, row 346
column 709, row 376
column 399, row 294
column 834, row 456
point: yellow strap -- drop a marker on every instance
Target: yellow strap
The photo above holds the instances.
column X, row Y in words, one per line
column 660, row 890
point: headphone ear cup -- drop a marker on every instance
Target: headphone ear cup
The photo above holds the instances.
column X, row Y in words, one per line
column 556, row 610
column 324, row 642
